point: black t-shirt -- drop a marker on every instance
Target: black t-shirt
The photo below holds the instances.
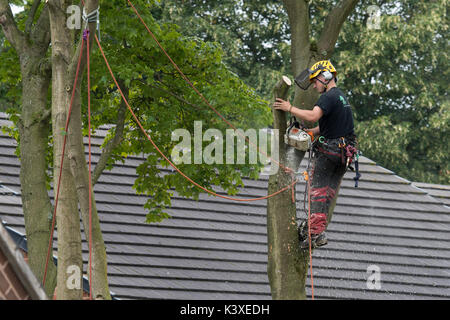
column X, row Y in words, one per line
column 337, row 119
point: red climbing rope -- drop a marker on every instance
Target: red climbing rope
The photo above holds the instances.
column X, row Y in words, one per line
column 61, row 164
column 90, row 162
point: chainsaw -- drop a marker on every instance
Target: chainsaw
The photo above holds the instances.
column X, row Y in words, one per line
column 296, row 136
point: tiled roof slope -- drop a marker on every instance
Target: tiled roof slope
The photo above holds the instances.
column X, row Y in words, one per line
column 438, row 191
column 217, row 249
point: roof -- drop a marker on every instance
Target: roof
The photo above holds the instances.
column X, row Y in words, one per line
column 438, row 191
column 217, row 249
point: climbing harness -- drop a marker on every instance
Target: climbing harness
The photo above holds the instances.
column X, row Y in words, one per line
column 348, row 152
column 94, row 17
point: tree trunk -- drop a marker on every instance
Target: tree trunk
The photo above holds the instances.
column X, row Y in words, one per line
column 33, row 125
column 34, row 130
column 79, row 169
column 284, row 269
column 76, row 155
column 287, row 264
column 70, row 262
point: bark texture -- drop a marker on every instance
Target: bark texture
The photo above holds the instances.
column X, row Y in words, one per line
column 75, row 181
column 284, row 271
column 70, row 261
column 31, row 47
column 287, row 265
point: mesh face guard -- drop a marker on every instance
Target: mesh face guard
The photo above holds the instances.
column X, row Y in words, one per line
column 302, row 80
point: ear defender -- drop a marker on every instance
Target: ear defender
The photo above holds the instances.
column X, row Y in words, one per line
column 327, row 75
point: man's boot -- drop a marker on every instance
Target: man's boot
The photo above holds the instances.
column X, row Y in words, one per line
column 317, row 240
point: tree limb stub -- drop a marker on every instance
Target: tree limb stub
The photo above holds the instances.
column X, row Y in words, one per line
column 281, row 91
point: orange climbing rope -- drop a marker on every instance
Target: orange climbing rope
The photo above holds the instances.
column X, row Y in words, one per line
column 86, row 33
column 165, row 157
column 209, row 105
column 308, row 182
column 86, row 38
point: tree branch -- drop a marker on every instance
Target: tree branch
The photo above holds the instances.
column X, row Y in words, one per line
column 41, row 32
column 298, row 14
column 12, row 33
column 332, row 27
column 115, row 141
column 31, row 16
column 175, row 95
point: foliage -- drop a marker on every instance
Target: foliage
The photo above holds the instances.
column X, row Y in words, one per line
column 395, row 76
column 161, row 99
column 396, row 79
column 164, row 102
column 10, row 80
column 253, row 34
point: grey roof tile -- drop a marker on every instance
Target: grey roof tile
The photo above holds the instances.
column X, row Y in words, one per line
column 437, row 191
column 216, row 249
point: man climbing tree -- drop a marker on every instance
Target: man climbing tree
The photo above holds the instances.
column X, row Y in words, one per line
column 332, row 151
column 287, row 264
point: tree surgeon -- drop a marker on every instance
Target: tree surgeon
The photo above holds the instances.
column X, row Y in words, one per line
column 333, row 150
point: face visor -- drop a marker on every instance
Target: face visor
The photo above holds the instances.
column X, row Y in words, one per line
column 307, row 76
column 302, row 80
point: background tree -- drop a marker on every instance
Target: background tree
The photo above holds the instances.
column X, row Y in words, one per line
column 396, row 77
column 254, row 35
column 159, row 97
column 25, row 73
column 401, row 91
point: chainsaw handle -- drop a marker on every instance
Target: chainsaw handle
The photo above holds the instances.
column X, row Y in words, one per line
column 311, row 134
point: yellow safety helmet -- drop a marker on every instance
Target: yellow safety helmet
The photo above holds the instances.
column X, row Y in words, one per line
column 322, row 66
